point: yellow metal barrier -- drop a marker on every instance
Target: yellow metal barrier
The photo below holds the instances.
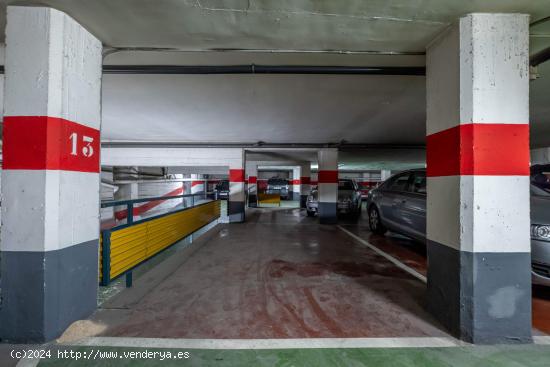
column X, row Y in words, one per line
column 269, row 199
column 131, row 245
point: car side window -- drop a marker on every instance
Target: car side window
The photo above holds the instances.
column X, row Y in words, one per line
column 400, row 183
column 419, row 183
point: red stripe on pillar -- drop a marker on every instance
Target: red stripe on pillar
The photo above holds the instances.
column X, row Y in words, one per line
column 313, row 182
column 252, row 179
column 296, row 182
column 305, row 180
column 479, row 149
column 42, row 142
column 196, row 183
column 327, row 177
column 236, row 175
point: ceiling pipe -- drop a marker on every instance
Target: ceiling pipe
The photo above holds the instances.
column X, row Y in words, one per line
column 341, row 146
column 260, row 69
column 263, row 69
column 540, row 57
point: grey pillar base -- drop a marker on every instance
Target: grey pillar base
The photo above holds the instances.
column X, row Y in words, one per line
column 295, row 196
column 303, row 201
column 44, row 292
column 328, row 213
column 235, row 211
column 252, row 201
column 481, row 298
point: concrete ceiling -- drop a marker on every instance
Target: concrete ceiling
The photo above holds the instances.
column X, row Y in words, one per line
column 360, row 160
column 350, row 25
column 280, row 108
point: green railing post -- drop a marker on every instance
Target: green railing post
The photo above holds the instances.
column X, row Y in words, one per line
column 106, row 258
column 129, row 279
column 130, row 215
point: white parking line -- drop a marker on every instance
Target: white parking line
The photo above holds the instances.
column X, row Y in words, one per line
column 541, row 340
column 28, row 362
column 388, row 257
column 305, row 343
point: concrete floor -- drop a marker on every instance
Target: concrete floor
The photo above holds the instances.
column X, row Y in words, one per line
column 279, row 275
column 413, row 254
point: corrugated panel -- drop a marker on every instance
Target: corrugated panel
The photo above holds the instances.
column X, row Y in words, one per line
column 269, row 199
column 135, row 244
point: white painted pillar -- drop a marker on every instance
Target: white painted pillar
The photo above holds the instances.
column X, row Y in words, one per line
column 305, row 180
column 235, row 204
column 252, row 174
column 296, row 182
column 314, row 179
column 385, row 174
column 479, row 282
column 50, row 177
column 197, row 184
column 328, row 185
column 127, row 191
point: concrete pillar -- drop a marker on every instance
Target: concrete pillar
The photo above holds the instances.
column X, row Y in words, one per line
column 127, row 191
column 50, row 177
column 296, row 183
column 314, row 179
column 385, row 174
column 235, row 204
column 479, row 283
column 305, row 181
column 328, row 185
column 197, row 184
column 252, row 172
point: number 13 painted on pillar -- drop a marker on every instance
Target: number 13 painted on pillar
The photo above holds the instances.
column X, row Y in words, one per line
column 87, row 149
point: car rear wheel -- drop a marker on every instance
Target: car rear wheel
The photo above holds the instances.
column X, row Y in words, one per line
column 375, row 223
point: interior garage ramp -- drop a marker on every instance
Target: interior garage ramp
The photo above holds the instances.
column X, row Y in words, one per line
column 279, row 275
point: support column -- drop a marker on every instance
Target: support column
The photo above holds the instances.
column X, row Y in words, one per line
column 252, row 172
column 305, row 180
column 235, row 204
column 127, row 191
column 50, row 178
column 197, row 184
column 328, row 185
column 296, row 183
column 385, row 174
column 479, row 283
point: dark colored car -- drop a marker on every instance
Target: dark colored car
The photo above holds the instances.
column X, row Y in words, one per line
column 221, row 191
column 349, row 199
column 399, row 205
column 278, row 186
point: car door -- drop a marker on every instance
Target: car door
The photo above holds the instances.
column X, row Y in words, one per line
column 392, row 200
column 413, row 207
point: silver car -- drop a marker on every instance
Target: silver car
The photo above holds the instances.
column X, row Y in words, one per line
column 349, row 199
column 278, row 186
column 399, row 205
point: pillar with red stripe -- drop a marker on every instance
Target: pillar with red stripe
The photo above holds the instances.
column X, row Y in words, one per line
column 296, row 183
column 50, row 181
column 305, row 180
column 328, row 185
column 252, row 189
column 197, row 184
column 235, row 204
column 478, row 236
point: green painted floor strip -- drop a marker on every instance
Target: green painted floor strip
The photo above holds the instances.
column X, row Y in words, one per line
column 485, row 356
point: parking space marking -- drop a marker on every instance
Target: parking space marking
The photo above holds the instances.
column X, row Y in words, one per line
column 388, row 257
column 301, row 343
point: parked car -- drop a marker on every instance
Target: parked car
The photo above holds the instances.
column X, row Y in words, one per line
column 349, row 199
column 399, row 205
column 365, row 188
column 221, row 191
column 278, row 186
